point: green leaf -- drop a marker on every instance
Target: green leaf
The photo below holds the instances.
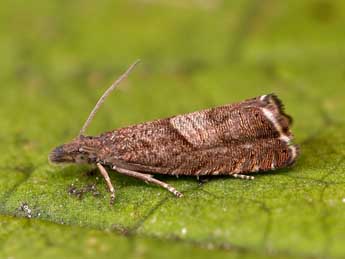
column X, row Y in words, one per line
column 57, row 59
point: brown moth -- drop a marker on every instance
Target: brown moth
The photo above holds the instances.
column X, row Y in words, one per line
column 235, row 140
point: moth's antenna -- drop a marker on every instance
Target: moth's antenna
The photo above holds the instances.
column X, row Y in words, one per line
column 105, row 95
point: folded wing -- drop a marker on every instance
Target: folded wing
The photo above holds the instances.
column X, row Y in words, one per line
column 245, row 137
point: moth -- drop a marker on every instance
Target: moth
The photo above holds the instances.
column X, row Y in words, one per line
column 236, row 140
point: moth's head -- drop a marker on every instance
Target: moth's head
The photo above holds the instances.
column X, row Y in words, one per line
column 81, row 150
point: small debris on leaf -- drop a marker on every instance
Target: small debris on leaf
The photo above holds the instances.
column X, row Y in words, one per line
column 79, row 192
column 24, row 207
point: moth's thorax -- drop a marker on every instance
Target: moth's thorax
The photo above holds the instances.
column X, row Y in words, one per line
column 81, row 150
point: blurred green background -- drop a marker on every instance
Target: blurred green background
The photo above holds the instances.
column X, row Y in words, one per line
column 56, row 59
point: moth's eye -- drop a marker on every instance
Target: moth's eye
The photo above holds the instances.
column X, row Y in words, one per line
column 81, row 158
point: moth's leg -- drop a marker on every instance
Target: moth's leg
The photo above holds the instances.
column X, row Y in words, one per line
column 242, row 176
column 148, row 179
column 107, row 179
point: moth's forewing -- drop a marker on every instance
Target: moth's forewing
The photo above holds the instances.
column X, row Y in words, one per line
column 249, row 136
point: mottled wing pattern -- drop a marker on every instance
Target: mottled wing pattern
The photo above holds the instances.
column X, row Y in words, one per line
column 249, row 136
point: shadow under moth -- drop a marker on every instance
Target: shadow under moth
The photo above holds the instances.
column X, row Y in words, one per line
column 235, row 140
